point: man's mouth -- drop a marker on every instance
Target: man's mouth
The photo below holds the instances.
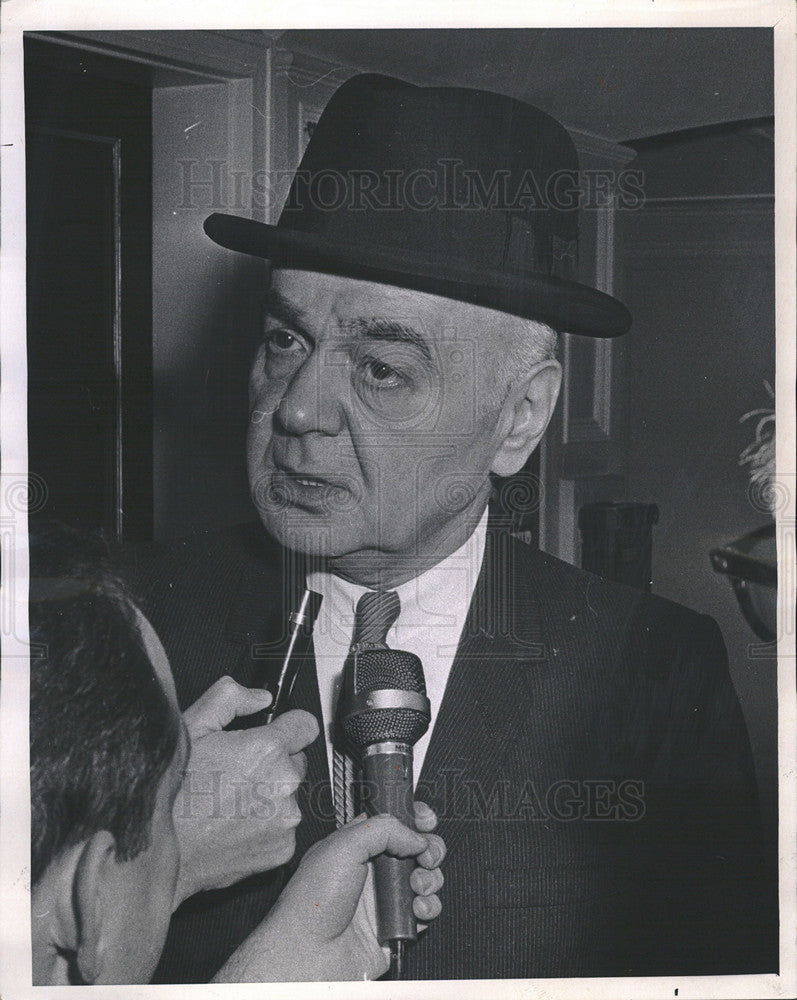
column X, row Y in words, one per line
column 309, row 480
column 319, row 484
column 303, row 489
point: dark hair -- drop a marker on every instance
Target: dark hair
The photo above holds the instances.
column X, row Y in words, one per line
column 102, row 730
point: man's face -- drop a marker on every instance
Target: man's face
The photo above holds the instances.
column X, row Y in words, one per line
column 373, row 420
column 144, row 886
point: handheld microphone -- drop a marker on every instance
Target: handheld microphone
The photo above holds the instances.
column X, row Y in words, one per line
column 300, row 632
column 384, row 712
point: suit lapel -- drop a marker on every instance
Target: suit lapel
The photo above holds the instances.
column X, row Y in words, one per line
column 269, row 586
column 268, row 581
column 488, row 694
column 314, row 795
column 257, row 621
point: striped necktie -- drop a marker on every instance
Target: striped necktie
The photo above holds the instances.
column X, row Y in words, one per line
column 376, row 612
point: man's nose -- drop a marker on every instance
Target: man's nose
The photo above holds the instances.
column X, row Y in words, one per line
column 314, row 397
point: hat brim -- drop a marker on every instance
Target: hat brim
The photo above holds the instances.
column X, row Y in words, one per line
column 567, row 306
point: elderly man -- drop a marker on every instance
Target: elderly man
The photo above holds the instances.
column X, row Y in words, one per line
column 587, row 754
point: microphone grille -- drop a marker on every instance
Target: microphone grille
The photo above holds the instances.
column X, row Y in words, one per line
column 402, row 725
column 381, row 669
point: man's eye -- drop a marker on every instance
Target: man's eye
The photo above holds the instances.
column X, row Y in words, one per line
column 380, row 371
column 281, row 340
column 382, row 375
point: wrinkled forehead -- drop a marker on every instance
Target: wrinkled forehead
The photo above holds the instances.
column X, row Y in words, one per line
column 330, row 303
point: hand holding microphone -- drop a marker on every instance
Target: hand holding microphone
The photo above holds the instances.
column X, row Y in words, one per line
column 319, row 930
column 219, row 843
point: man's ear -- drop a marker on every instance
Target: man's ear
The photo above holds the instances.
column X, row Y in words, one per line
column 526, row 413
column 93, row 895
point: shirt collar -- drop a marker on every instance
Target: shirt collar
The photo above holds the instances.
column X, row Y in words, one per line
column 447, row 585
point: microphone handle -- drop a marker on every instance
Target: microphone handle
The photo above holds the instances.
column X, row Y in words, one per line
column 388, row 788
column 300, row 634
column 300, row 631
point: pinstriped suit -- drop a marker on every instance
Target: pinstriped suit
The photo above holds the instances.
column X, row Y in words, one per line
column 589, row 765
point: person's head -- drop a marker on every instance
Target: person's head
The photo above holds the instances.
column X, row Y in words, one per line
column 378, row 414
column 107, row 752
column 425, row 255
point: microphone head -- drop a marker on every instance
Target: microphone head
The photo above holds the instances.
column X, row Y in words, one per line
column 383, row 698
column 382, row 669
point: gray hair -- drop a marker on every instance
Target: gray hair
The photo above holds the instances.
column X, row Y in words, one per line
column 524, row 344
column 533, row 342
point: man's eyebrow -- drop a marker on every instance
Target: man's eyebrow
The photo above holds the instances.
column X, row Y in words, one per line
column 279, row 308
column 382, row 328
column 366, row 327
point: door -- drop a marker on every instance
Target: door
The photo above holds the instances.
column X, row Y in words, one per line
column 89, row 299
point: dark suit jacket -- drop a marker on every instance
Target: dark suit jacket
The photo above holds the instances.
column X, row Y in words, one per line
column 589, row 766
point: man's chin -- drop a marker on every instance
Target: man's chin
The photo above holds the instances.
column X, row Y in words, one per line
column 312, row 533
column 341, row 548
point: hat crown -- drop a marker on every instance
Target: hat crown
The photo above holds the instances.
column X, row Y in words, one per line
column 458, row 174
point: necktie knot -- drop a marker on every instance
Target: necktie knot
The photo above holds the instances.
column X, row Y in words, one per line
column 376, row 612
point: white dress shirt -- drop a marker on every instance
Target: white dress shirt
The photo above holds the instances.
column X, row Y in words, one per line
column 434, row 606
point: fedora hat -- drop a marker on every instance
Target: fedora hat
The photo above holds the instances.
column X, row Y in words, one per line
column 458, row 192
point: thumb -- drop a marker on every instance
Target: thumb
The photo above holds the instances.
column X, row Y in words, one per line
column 366, row 837
column 293, row 730
column 223, row 701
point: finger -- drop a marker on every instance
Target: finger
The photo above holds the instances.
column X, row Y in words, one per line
column 425, row 817
column 299, row 761
column 435, row 852
column 282, row 780
column 425, row 882
column 426, row 907
column 372, row 835
column 294, row 730
column 224, row 701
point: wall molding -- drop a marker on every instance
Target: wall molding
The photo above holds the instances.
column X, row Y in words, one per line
column 741, row 248
column 304, row 71
column 688, row 200
column 195, row 53
column 604, row 149
column 699, row 227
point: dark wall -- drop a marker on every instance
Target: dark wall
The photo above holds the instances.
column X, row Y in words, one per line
column 698, row 274
column 206, row 316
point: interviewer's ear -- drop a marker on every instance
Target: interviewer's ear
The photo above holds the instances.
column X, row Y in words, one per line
column 94, row 918
column 526, row 413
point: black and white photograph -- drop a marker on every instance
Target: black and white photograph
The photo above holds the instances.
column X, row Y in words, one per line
column 398, row 501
